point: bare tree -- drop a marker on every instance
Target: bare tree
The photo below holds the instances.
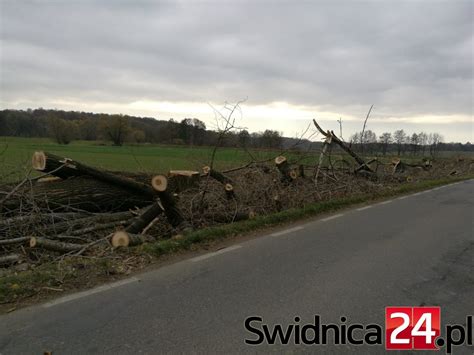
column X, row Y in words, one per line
column 422, row 139
column 399, row 137
column 435, row 139
column 414, row 142
column 385, row 140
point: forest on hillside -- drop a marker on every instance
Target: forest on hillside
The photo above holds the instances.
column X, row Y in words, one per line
column 67, row 126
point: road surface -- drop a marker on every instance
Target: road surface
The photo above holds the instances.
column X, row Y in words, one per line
column 414, row 250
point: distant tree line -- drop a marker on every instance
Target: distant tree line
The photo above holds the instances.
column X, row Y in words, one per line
column 402, row 143
column 66, row 126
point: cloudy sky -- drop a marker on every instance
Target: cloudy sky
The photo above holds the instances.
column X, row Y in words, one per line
column 291, row 60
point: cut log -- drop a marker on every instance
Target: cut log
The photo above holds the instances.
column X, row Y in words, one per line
column 229, row 191
column 108, row 219
column 53, row 245
column 142, row 221
column 9, row 259
column 172, row 212
column 12, row 241
column 293, row 174
column 398, row 166
column 97, row 228
column 47, row 162
column 77, row 193
column 301, row 170
column 10, row 225
column 362, row 167
column 181, row 180
column 126, row 239
column 159, row 183
column 216, row 175
column 284, row 169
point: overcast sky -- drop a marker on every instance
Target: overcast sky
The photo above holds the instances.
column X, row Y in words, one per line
column 292, row 61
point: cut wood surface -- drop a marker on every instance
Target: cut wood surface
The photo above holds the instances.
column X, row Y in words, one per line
column 159, row 183
column 126, row 239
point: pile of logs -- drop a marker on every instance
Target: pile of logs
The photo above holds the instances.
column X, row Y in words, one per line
column 73, row 208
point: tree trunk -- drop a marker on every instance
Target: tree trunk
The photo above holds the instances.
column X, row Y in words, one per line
column 224, row 180
column 341, row 144
column 287, row 174
column 13, row 241
column 13, row 224
column 216, row 175
column 180, row 180
column 79, row 193
column 46, row 162
column 142, row 221
column 326, row 144
column 172, row 212
column 53, row 245
column 88, row 222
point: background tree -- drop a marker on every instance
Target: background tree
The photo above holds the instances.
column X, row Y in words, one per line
column 138, row 136
column 88, row 129
column 271, row 139
column 192, row 131
column 399, row 137
column 435, row 142
column 369, row 140
column 116, row 128
column 385, row 140
column 62, row 131
column 414, row 143
column 243, row 138
column 422, row 139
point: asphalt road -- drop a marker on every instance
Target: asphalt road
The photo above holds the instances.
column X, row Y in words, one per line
column 417, row 250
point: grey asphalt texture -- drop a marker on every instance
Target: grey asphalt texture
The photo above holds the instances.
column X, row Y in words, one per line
column 414, row 251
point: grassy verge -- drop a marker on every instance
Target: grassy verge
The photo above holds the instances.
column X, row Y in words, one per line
column 50, row 279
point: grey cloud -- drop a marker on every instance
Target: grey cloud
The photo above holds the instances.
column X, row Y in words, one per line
column 407, row 57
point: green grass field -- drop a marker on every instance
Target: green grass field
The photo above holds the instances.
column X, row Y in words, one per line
column 15, row 156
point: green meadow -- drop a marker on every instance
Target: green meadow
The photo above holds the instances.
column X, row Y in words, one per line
column 15, row 156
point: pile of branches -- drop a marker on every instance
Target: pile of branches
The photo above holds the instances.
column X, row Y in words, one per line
column 74, row 209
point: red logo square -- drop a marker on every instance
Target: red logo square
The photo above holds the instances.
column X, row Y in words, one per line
column 409, row 328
